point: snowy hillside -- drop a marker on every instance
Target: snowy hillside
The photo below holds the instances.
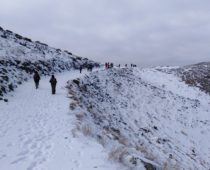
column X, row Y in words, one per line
column 37, row 131
column 145, row 118
column 155, row 118
column 197, row 75
column 20, row 56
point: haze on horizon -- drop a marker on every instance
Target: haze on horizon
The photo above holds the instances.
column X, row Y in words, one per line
column 143, row 32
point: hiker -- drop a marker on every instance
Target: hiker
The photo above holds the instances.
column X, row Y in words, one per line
column 90, row 67
column 106, row 65
column 36, row 79
column 53, row 82
column 80, row 69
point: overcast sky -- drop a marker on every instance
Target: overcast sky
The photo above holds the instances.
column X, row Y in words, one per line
column 144, row 32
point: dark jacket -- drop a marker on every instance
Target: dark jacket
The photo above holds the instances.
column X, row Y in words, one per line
column 53, row 81
column 36, row 77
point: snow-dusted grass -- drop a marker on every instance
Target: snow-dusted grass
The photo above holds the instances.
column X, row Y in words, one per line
column 146, row 117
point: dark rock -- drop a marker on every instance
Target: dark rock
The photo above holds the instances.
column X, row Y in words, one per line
column 155, row 127
column 27, row 39
column 68, row 52
column 5, row 100
column 8, row 31
column 23, row 44
column 145, row 130
column 18, row 36
column 58, row 50
column 3, row 36
column 6, row 78
column 149, row 166
column 11, row 87
column 162, row 141
column 3, row 89
column 76, row 82
column 115, row 130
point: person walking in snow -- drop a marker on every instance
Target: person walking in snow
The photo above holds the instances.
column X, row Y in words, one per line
column 80, row 69
column 53, row 83
column 90, row 67
column 36, row 79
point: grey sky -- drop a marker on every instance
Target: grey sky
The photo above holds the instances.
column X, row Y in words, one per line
column 145, row 32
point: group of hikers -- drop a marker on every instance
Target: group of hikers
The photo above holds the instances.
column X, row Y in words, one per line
column 111, row 65
column 52, row 81
column 107, row 66
column 89, row 68
column 133, row 65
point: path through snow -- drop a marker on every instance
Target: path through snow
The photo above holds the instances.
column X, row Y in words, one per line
column 35, row 131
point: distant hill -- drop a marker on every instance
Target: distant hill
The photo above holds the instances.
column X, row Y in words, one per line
column 197, row 75
column 20, row 56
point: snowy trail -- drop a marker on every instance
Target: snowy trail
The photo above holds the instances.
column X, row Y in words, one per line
column 35, row 131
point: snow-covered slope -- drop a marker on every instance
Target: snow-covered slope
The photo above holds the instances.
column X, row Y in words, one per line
column 19, row 57
column 146, row 118
column 196, row 75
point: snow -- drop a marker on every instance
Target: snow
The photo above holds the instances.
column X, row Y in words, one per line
column 119, row 118
column 36, row 131
column 150, row 115
column 170, row 82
